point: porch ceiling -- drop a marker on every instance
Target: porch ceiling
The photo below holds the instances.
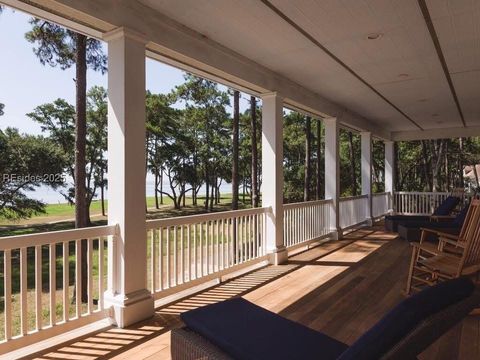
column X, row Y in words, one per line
column 402, row 65
column 421, row 74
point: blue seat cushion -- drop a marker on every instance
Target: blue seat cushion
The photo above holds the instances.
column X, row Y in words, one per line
column 407, row 217
column 246, row 331
column 392, row 221
column 456, row 222
column 406, row 316
column 447, row 206
column 460, row 218
column 412, row 231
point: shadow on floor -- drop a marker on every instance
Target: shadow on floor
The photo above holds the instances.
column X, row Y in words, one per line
column 152, row 336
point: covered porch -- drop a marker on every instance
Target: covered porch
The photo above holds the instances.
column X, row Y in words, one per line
column 143, row 273
column 340, row 288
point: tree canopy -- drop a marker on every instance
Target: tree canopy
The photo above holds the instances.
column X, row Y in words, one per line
column 27, row 162
column 57, row 121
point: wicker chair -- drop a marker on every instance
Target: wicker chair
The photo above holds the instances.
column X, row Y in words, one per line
column 454, row 256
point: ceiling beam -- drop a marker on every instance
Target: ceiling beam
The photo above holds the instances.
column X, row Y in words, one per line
column 438, row 48
column 186, row 48
column 347, row 68
column 444, row 133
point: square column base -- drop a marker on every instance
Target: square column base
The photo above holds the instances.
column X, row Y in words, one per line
column 278, row 256
column 131, row 308
column 337, row 234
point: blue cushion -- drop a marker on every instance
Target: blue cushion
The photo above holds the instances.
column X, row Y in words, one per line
column 392, row 221
column 428, row 224
column 246, row 331
column 447, row 206
column 460, row 218
column 405, row 316
column 407, row 217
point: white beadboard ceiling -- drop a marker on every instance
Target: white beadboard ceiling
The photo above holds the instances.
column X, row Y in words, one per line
column 254, row 30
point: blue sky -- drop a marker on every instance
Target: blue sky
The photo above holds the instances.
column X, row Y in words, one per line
column 25, row 83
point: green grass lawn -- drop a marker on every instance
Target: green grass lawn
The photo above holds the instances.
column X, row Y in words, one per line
column 61, row 217
column 181, row 242
column 63, row 211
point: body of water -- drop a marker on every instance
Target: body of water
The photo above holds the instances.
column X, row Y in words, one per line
column 50, row 196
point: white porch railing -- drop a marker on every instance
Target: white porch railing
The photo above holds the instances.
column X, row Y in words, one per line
column 183, row 250
column 381, row 204
column 42, row 277
column 306, row 221
column 417, row 203
column 353, row 210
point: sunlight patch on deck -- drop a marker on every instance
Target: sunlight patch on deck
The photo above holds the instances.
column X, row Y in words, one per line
column 353, row 252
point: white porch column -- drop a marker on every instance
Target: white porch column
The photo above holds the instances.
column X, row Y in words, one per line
column 272, row 170
column 127, row 292
column 332, row 172
column 366, row 168
column 389, row 171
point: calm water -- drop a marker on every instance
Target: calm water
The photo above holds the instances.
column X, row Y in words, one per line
column 50, row 196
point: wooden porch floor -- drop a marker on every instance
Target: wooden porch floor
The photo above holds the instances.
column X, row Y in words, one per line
column 340, row 288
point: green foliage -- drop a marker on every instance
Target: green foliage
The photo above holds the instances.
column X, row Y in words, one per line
column 57, row 120
column 27, row 162
column 168, row 146
column 294, row 138
column 378, row 159
column 56, row 46
column 2, row 106
column 293, row 155
column 350, row 184
column 245, row 148
column 208, row 125
column 430, row 165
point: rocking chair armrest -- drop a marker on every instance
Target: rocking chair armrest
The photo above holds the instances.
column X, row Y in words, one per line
column 440, row 233
column 428, row 247
column 448, row 235
column 433, row 231
column 451, row 242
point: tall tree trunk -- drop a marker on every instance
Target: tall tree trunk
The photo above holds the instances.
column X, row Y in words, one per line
column 195, row 166
column 102, row 192
column 243, row 190
column 437, row 156
column 183, row 195
column 81, row 211
column 212, row 194
column 236, row 124
column 308, row 170
column 156, row 189
column 396, row 170
column 253, row 118
column 447, row 170
column 460, row 163
column 161, row 186
column 426, row 170
column 319, row 160
column 207, row 189
column 353, row 164
column 218, row 184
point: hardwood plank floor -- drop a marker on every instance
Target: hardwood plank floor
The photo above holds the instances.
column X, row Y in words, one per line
column 340, row 288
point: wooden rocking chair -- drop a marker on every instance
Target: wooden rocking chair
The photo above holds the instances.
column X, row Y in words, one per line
column 455, row 255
